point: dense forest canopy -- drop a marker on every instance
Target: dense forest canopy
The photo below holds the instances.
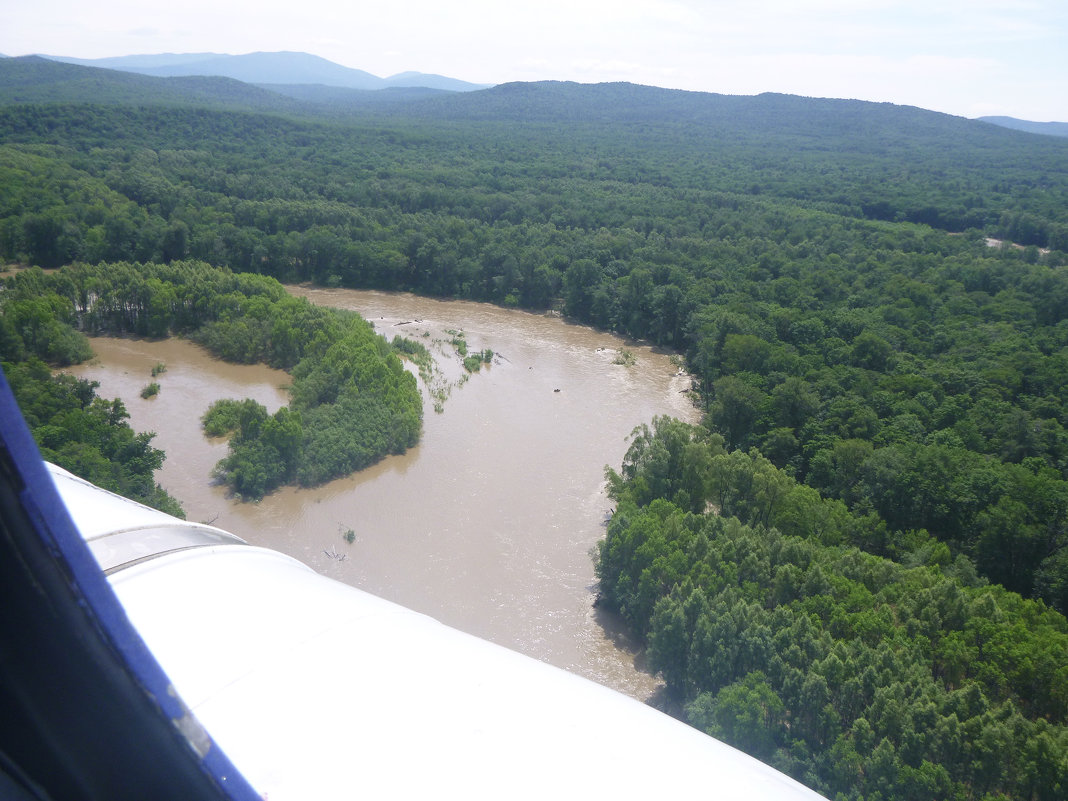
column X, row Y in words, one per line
column 872, row 298
column 861, row 676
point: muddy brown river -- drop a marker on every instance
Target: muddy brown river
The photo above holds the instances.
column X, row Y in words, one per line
column 488, row 524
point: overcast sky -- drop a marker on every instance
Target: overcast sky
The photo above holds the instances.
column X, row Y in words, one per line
column 964, row 57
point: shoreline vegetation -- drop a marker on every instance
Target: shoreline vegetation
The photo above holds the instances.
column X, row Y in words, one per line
column 352, row 401
column 778, row 632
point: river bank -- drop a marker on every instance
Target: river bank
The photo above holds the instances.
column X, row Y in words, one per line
column 488, row 523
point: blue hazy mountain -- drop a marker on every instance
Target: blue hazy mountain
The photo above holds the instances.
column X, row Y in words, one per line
column 32, row 79
column 268, row 68
column 1047, row 128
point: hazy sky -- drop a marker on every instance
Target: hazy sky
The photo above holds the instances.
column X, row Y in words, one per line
column 965, row 57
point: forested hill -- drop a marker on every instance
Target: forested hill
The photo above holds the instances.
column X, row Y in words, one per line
column 853, row 158
column 1045, row 128
column 32, row 79
column 716, row 114
column 873, row 160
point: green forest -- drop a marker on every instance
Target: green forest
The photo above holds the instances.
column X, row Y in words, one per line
column 855, row 568
column 778, row 631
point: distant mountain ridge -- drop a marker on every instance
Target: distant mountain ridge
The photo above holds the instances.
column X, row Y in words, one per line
column 855, row 125
column 313, row 79
column 280, row 68
column 1045, row 128
column 33, row 79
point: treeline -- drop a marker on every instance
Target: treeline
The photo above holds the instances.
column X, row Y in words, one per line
column 292, row 198
column 352, row 400
column 86, row 434
column 914, row 503
column 863, row 677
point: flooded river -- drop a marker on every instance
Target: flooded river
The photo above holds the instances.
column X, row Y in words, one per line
column 488, row 524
